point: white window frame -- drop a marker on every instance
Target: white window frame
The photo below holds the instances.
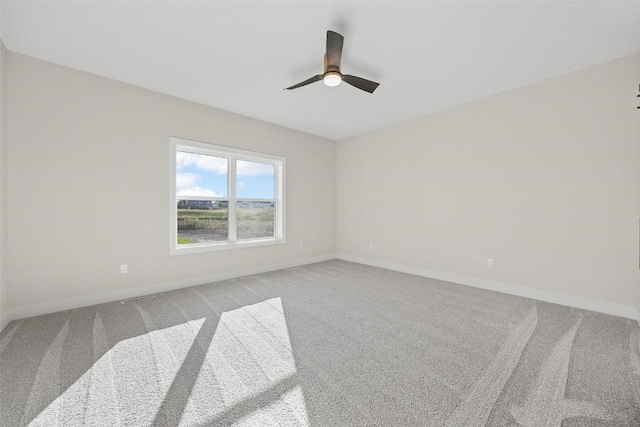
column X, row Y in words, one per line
column 232, row 154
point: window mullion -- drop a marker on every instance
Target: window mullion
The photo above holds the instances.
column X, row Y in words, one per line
column 278, row 202
column 232, row 213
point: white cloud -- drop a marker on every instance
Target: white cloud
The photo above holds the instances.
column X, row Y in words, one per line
column 200, row 161
column 197, row 191
column 184, row 180
column 186, row 186
column 245, row 168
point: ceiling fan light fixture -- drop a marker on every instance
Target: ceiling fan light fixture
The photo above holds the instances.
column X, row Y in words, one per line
column 332, row 79
column 332, row 75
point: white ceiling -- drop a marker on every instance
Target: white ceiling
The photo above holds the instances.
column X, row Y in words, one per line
column 238, row 56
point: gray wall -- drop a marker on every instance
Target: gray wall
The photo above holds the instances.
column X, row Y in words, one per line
column 88, row 186
column 544, row 179
column 3, row 186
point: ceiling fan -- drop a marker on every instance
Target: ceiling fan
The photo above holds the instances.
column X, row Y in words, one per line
column 332, row 75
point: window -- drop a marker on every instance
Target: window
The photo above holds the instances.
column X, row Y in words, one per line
column 224, row 198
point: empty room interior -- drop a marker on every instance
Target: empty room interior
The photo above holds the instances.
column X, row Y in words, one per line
column 349, row 213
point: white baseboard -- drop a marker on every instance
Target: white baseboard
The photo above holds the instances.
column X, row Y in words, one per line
column 37, row 309
column 600, row 306
column 626, row 311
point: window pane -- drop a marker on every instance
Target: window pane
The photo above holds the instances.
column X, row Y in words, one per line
column 201, row 175
column 256, row 220
column 202, row 221
column 255, row 180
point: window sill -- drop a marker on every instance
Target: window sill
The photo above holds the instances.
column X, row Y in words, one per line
column 223, row 246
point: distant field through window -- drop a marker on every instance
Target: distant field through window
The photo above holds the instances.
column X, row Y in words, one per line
column 224, row 198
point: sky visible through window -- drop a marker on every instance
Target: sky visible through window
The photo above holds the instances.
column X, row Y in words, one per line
column 203, row 175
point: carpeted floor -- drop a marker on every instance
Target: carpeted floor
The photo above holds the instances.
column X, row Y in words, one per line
column 328, row 344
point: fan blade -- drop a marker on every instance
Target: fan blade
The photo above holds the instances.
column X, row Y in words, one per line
column 360, row 83
column 334, row 51
column 306, row 82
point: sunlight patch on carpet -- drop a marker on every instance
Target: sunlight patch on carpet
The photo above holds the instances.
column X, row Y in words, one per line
column 97, row 387
column 249, row 356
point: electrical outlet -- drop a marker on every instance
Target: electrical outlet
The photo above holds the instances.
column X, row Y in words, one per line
column 370, row 246
column 123, row 269
column 490, row 263
column 301, row 246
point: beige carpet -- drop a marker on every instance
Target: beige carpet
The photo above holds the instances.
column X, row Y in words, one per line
column 329, row 344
